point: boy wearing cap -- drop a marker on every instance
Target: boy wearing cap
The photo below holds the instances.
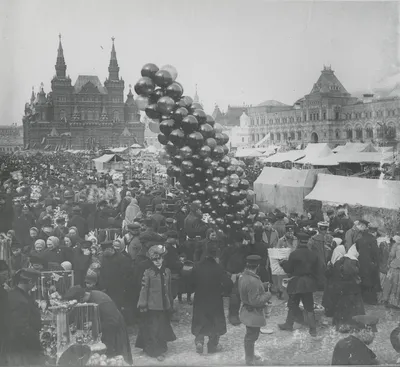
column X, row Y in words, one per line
column 254, row 299
column 24, row 348
column 353, row 349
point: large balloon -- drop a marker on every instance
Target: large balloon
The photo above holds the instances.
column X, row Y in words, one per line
column 218, row 128
column 196, row 106
column 174, row 91
column 162, row 139
column 195, row 140
column 149, row 70
column 154, row 127
column 225, row 138
column 165, row 105
column 185, row 101
column 170, row 148
column 179, row 114
column 167, row 126
column 171, row 70
column 189, row 124
column 144, row 86
column 163, row 78
column 211, row 142
column 156, row 95
column 200, row 116
column 219, row 138
column 177, row 137
column 207, row 131
column 218, row 153
column 186, row 152
column 142, row 102
column 210, row 120
column 187, row 166
column 152, row 112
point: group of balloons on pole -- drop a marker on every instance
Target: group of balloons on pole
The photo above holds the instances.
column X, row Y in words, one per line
column 195, row 151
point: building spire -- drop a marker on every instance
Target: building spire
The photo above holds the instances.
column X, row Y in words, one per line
column 113, row 69
column 33, row 97
column 61, row 67
column 196, row 96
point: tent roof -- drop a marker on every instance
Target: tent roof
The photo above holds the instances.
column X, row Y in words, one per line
column 242, row 153
column 287, row 177
column 291, row 156
column 369, row 157
column 355, row 147
column 315, row 151
column 356, row 191
column 119, row 150
column 107, row 158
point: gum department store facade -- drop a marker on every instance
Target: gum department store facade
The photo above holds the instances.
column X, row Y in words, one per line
column 86, row 115
column 329, row 114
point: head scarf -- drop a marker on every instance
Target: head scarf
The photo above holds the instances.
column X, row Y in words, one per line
column 352, row 254
column 338, row 253
column 55, row 241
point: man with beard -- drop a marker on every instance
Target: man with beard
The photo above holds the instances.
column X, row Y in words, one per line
column 24, row 348
column 210, row 282
column 320, row 244
column 114, row 274
column 302, row 267
column 369, row 264
column 254, row 299
column 353, row 349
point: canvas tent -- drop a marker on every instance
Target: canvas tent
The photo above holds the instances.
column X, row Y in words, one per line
column 108, row 162
column 290, row 156
column 371, row 199
column 313, row 152
column 248, row 153
column 355, row 148
column 284, row 189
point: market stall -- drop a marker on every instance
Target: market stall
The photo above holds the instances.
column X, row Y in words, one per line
column 109, row 162
column 371, row 199
column 284, row 189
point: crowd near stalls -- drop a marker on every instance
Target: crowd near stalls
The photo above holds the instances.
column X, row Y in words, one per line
column 87, row 253
column 351, row 159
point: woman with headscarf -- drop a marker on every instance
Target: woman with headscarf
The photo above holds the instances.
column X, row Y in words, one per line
column 346, row 290
column 328, row 299
column 155, row 304
column 131, row 213
column 55, row 253
column 391, row 285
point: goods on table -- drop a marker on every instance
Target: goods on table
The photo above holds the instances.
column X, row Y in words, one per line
column 102, row 360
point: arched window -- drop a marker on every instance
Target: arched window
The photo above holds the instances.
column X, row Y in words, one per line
column 97, row 115
column 285, row 135
column 278, row 136
column 272, row 136
column 369, row 132
column 337, row 134
column 349, row 133
column 43, row 116
column 391, row 132
column 292, row 135
column 82, row 114
column 116, row 115
column 90, row 115
column 299, row 135
column 379, row 132
column 257, row 137
column 359, row 132
column 63, row 115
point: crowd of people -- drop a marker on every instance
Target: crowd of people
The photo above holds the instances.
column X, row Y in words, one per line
column 138, row 251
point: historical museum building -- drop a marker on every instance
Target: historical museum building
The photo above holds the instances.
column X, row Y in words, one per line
column 86, row 115
column 11, row 138
column 328, row 114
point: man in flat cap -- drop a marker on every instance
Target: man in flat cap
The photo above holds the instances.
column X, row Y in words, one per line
column 369, row 265
column 254, row 299
column 320, row 244
column 24, row 348
column 353, row 350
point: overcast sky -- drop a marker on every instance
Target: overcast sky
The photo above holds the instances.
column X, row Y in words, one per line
column 236, row 51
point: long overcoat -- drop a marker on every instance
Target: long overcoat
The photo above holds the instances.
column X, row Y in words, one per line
column 210, row 283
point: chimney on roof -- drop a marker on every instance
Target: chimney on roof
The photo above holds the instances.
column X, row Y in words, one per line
column 368, row 97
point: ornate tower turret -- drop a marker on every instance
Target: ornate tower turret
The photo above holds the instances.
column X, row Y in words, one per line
column 60, row 66
column 131, row 110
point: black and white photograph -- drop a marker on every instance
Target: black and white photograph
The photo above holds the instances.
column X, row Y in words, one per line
column 199, row 183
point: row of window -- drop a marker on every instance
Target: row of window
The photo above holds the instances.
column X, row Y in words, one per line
column 92, row 115
column 88, row 99
column 315, row 116
column 8, row 149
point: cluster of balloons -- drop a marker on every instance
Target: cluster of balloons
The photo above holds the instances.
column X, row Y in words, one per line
column 196, row 150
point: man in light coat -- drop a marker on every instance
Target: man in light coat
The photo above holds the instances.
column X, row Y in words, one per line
column 254, row 299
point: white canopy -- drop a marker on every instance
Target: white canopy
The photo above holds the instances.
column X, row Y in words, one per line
column 248, row 153
column 354, row 147
column 283, row 188
column 313, row 152
column 291, row 156
column 119, row 150
column 356, row 191
column 370, row 157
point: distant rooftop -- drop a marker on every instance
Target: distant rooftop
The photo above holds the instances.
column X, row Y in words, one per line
column 93, row 79
column 272, row 103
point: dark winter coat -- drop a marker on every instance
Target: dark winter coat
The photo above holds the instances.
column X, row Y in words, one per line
column 194, row 226
column 80, row 265
column 80, row 223
column 302, row 266
column 233, row 258
column 24, row 325
column 140, row 265
column 58, row 255
column 352, row 351
column 4, row 315
column 369, row 261
column 210, row 282
column 115, row 272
